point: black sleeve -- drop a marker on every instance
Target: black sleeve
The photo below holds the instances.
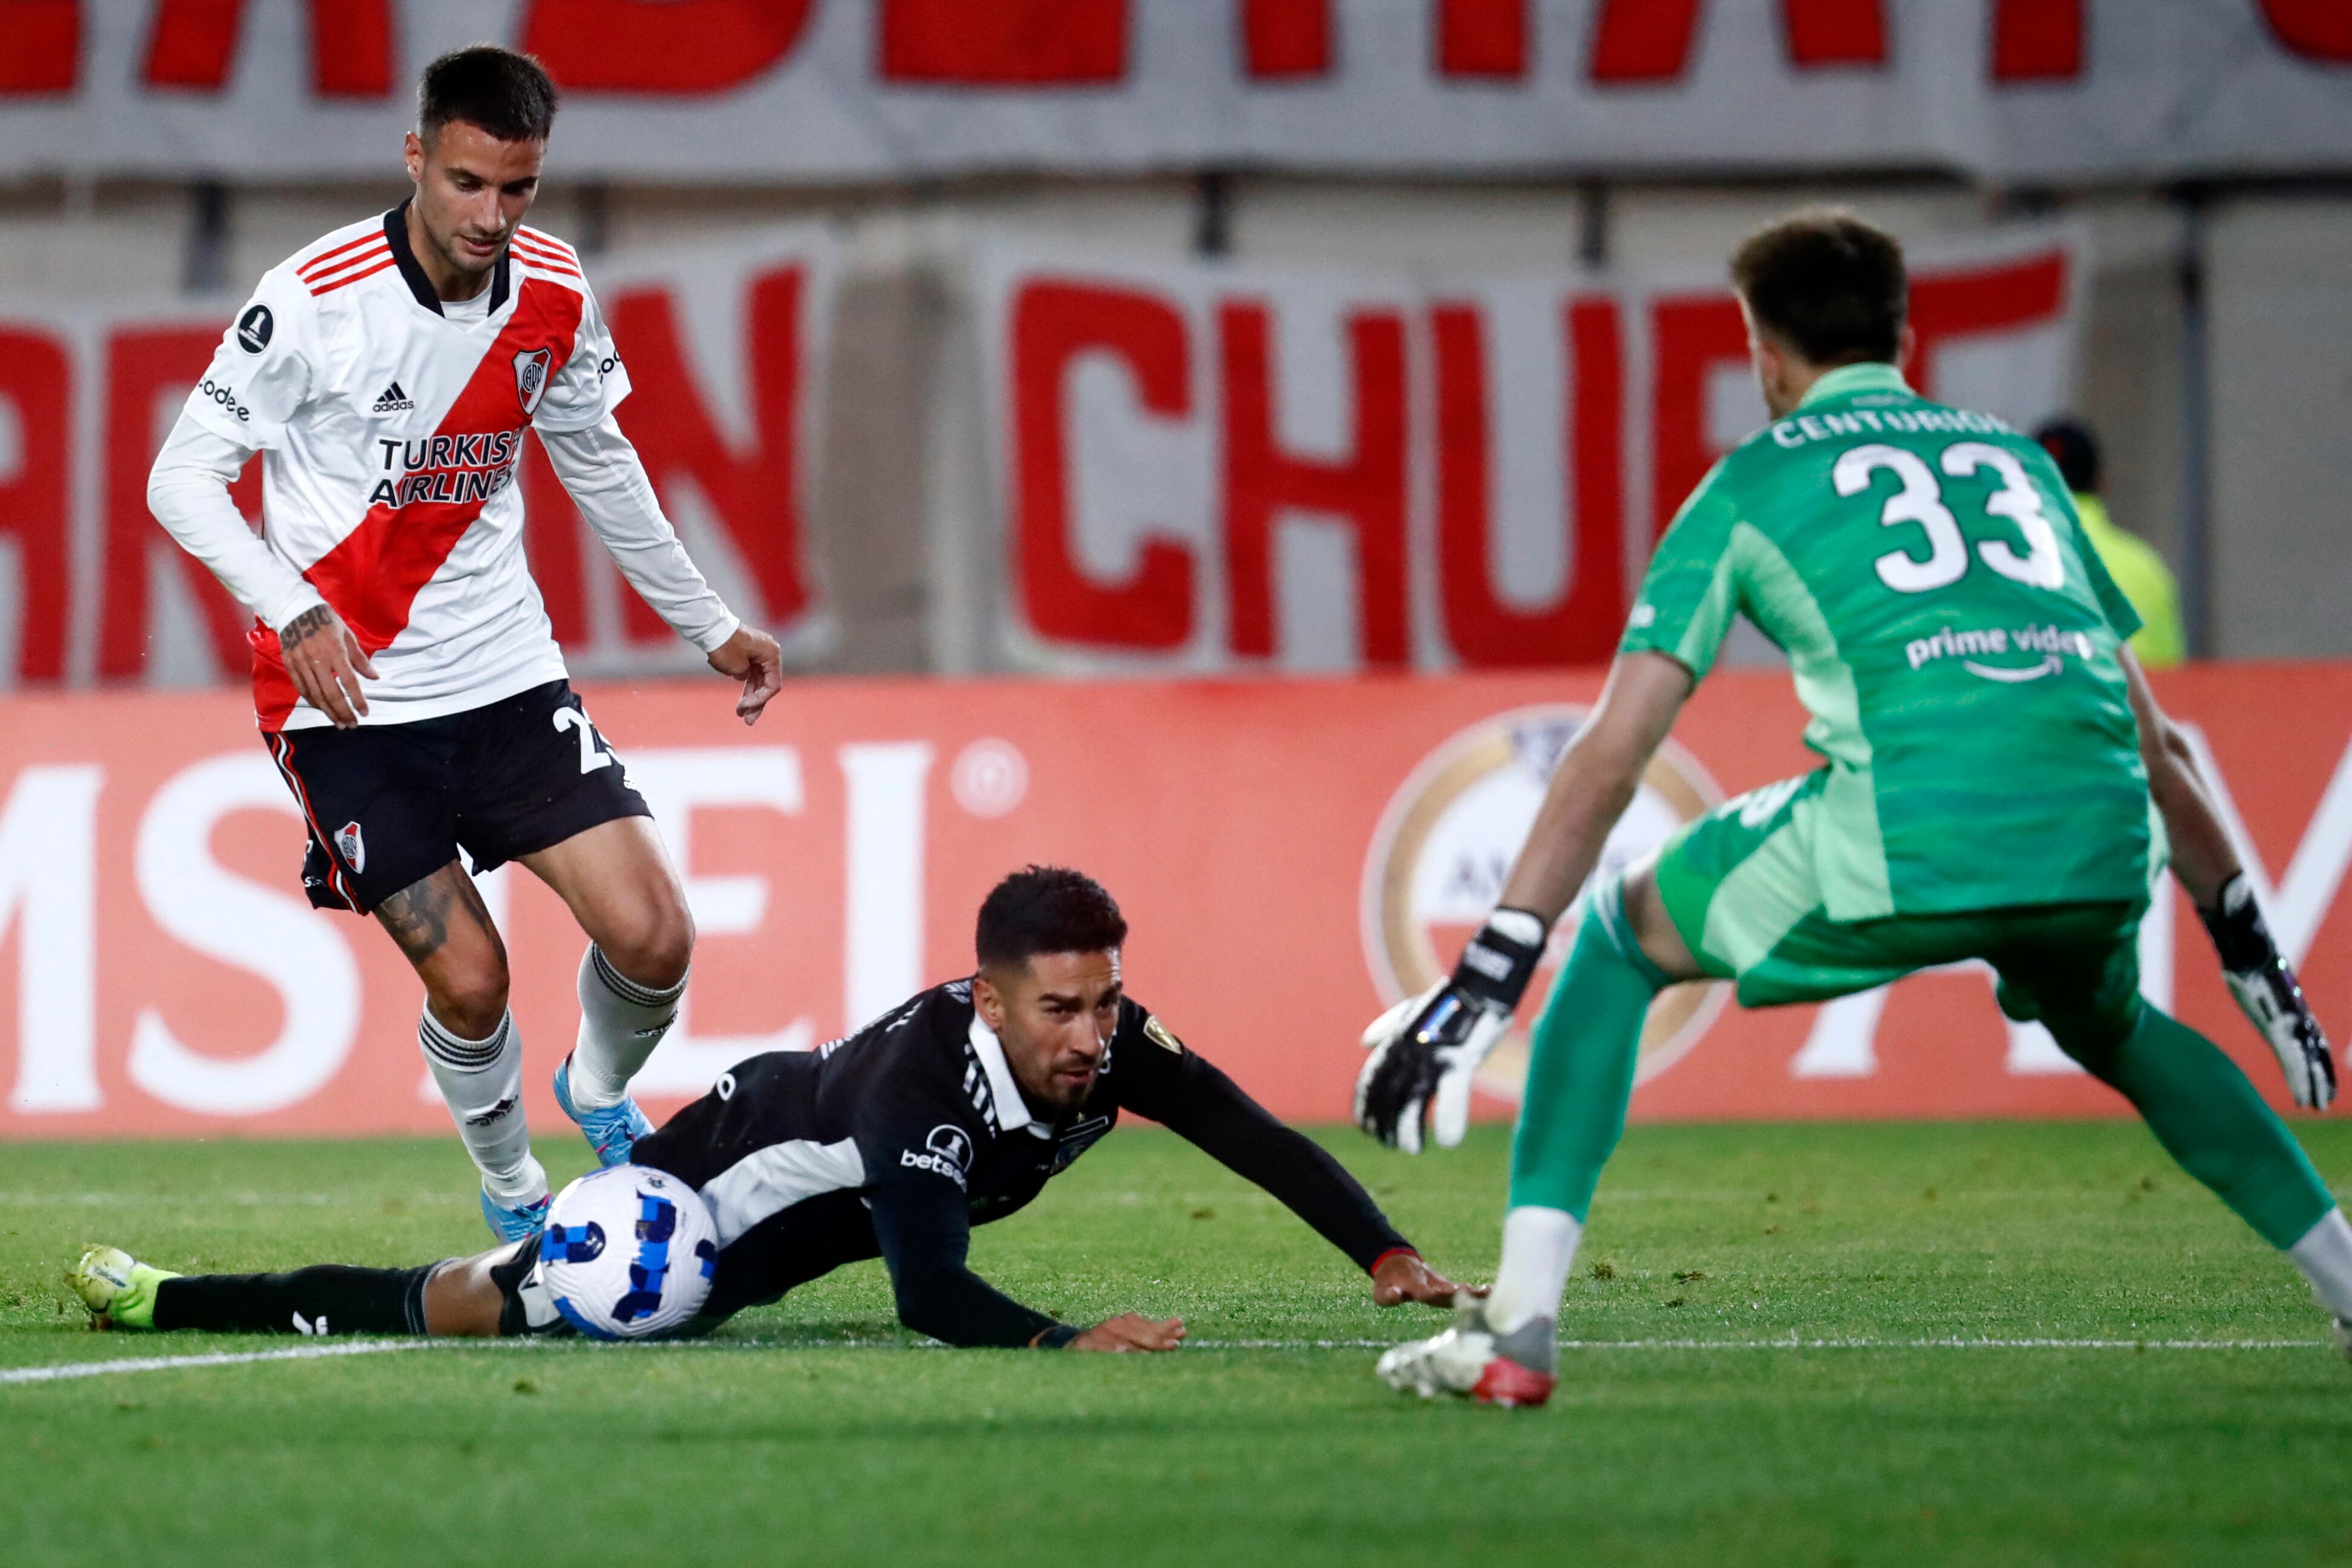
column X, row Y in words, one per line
column 1158, row 1077
column 924, row 1227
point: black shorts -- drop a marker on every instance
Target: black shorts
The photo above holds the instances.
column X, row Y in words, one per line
column 389, row 804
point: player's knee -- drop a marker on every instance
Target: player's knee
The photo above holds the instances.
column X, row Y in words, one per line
column 471, row 997
column 1654, row 930
column 656, row 949
column 2095, row 1036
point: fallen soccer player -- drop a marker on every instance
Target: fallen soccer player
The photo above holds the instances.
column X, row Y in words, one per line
column 952, row 1110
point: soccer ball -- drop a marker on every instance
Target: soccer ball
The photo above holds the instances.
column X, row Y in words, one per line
column 629, row 1251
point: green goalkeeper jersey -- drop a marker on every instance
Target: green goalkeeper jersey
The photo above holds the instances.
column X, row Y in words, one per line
column 1951, row 634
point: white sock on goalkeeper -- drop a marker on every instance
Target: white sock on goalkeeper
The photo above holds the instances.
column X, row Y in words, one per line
column 2324, row 1255
column 621, row 1022
column 1539, row 1250
column 481, row 1081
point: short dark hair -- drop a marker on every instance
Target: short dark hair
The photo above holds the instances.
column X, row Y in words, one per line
column 2075, row 451
column 1046, row 909
column 504, row 93
column 1827, row 284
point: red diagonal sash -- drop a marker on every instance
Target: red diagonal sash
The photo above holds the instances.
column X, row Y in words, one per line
column 372, row 578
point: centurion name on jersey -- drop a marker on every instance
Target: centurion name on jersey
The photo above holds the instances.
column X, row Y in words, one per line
column 390, row 430
column 1952, row 634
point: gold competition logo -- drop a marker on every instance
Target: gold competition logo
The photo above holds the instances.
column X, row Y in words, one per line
column 1446, row 842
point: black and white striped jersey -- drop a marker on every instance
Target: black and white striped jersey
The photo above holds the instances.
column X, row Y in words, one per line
column 896, row 1140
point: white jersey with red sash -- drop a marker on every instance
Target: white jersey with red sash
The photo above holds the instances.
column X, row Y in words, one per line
column 392, row 424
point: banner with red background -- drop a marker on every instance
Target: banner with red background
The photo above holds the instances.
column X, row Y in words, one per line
column 725, row 348
column 829, row 91
column 1213, row 468
column 1292, row 856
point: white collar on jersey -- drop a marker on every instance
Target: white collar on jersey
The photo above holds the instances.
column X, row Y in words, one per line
column 1013, row 1112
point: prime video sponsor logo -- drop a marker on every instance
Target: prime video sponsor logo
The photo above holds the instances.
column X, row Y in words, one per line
column 2053, row 643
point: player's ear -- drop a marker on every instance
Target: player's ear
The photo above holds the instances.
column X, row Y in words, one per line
column 412, row 153
column 988, row 1000
column 1907, row 345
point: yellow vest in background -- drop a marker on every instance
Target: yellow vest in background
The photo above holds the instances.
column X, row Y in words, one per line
column 2145, row 581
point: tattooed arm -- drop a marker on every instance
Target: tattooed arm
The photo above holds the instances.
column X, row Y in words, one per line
column 326, row 662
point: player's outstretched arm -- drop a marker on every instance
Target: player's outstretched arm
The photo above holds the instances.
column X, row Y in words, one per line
column 600, row 472
column 2203, row 858
column 2206, row 865
column 1129, row 1332
column 924, row 1230
column 1426, row 1051
column 1187, row 1095
column 1595, row 782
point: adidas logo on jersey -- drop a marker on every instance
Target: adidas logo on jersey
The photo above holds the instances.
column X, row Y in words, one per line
column 393, row 400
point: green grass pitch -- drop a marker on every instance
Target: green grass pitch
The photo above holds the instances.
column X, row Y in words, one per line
column 815, row 1432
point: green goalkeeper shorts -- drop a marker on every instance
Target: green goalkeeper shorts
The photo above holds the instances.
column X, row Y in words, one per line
column 1740, row 885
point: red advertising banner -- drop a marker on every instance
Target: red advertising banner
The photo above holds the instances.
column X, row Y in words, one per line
column 1292, row 856
column 726, row 345
column 890, row 90
column 1212, row 467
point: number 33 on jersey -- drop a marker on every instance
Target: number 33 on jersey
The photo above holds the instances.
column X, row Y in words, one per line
column 1952, row 635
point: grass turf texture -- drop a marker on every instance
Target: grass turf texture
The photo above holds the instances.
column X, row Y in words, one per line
column 815, row 1432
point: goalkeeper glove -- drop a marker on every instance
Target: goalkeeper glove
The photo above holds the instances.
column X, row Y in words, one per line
column 1426, row 1050
column 2266, row 989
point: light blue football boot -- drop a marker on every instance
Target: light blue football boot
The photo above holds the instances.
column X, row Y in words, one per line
column 613, row 1132
column 515, row 1224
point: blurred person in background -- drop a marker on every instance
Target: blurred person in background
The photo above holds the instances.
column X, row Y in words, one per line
column 2130, row 560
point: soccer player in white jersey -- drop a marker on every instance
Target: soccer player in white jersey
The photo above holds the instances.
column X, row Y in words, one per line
column 407, row 682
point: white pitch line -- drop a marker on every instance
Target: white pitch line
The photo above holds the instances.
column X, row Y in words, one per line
column 25, row 1374
column 1954, row 1342
column 1796, row 1344
column 221, row 1358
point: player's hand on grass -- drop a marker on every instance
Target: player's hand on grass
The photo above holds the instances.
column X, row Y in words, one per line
column 751, row 657
column 2265, row 985
column 1403, row 1277
column 1425, row 1051
column 326, row 663
column 1130, row 1331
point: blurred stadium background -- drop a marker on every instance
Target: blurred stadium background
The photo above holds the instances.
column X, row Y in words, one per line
column 1080, row 341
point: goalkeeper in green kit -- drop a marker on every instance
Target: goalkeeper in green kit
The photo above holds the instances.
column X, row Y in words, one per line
column 1989, row 753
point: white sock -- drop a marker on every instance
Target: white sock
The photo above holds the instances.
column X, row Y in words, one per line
column 481, row 1082
column 1539, row 1250
column 621, row 1022
column 2324, row 1255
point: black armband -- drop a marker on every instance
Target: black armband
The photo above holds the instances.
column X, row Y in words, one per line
column 1501, row 959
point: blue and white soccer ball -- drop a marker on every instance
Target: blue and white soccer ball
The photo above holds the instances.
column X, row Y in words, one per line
column 629, row 1251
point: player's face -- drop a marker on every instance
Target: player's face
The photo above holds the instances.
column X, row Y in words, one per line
column 472, row 190
column 1056, row 1016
